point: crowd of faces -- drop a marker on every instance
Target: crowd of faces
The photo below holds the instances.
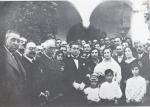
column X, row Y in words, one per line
column 95, row 48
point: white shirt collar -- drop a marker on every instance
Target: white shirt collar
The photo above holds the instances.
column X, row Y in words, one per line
column 19, row 53
column 74, row 56
column 140, row 55
column 8, row 51
column 48, row 56
column 31, row 60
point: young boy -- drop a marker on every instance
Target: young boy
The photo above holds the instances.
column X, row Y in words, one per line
column 110, row 90
column 135, row 87
column 92, row 91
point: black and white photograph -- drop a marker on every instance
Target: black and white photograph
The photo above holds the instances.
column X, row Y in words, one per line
column 74, row 53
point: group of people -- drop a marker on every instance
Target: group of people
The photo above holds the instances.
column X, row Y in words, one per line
column 103, row 71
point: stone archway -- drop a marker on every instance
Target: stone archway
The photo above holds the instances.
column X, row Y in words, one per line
column 112, row 16
column 128, row 2
column 85, row 32
column 86, row 7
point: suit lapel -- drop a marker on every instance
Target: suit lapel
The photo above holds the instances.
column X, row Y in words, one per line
column 79, row 63
column 21, row 68
column 74, row 65
column 11, row 61
column 16, row 64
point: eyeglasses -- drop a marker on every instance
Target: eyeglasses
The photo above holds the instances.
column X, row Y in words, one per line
column 15, row 40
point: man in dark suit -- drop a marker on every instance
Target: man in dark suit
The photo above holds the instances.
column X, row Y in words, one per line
column 32, row 74
column 144, row 63
column 51, row 73
column 119, row 56
column 74, row 74
column 14, row 76
column 143, row 58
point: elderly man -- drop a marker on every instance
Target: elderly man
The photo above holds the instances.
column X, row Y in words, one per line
column 13, row 79
column 143, row 58
column 22, row 44
column 20, row 50
column 52, row 77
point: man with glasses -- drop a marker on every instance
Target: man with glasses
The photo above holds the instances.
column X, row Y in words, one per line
column 39, row 51
column 30, row 51
column 32, row 74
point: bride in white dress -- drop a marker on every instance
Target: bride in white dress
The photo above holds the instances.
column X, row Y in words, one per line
column 139, row 29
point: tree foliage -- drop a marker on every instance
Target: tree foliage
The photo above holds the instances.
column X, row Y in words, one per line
column 33, row 20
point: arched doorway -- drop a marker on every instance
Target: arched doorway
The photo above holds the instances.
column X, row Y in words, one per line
column 112, row 16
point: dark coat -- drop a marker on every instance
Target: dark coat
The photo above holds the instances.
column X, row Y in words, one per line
column 33, row 77
column 144, row 62
column 116, row 58
column 51, row 75
column 13, row 80
column 124, row 71
column 71, row 74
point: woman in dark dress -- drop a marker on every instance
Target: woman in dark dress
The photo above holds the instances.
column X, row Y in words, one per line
column 126, row 72
column 129, row 60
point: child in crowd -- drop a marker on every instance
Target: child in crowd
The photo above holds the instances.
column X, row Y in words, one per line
column 135, row 87
column 92, row 91
column 110, row 90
